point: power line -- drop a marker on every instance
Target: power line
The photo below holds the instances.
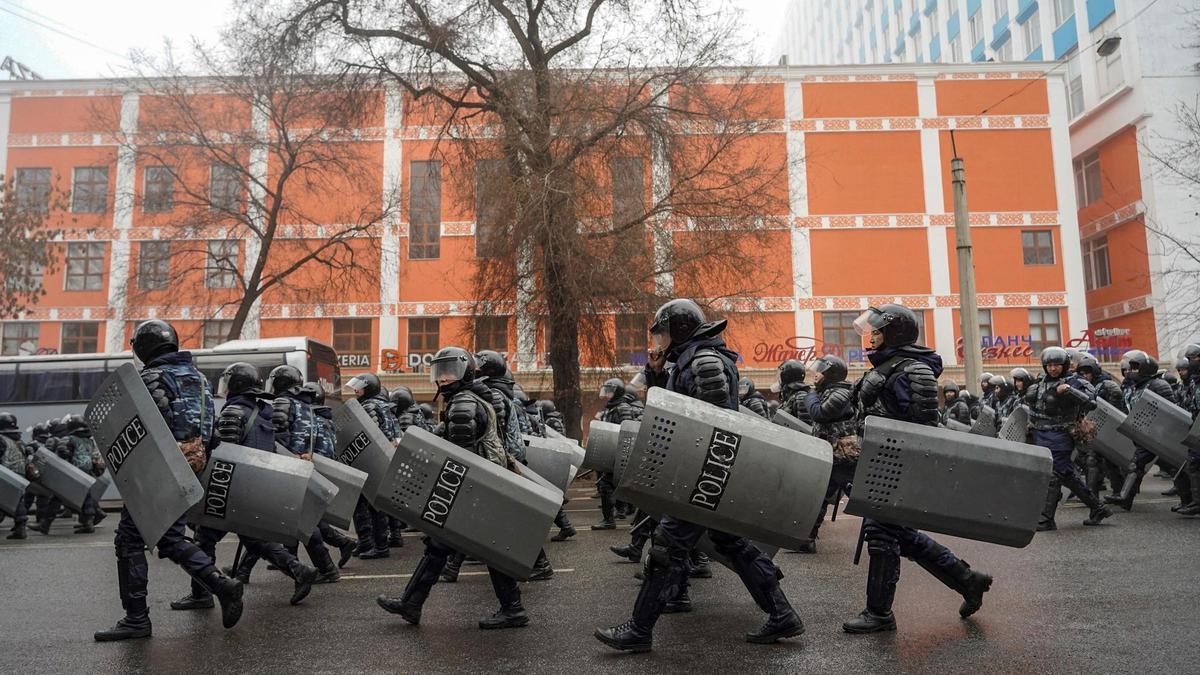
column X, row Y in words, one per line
column 23, row 8
column 89, row 43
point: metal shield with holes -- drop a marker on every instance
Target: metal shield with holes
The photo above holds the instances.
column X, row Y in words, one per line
column 955, row 425
column 1193, row 438
column 786, row 419
column 603, row 445
column 726, row 470
column 625, row 440
column 969, row 486
column 156, row 483
column 550, row 459
column 1016, row 425
column 349, row 482
column 12, row 491
column 1109, row 442
column 468, row 503
column 63, row 479
column 362, row 445
column 985, row 424
column 1159, row 426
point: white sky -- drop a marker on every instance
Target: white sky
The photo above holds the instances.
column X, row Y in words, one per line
column 114, row 27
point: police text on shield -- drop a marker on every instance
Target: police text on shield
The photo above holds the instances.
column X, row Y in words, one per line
column 220, row 481
column 129, row 437
column 441, row 498
column 355, row 448
column 718, row 465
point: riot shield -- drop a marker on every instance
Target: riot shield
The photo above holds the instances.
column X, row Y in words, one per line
column 62, row 478
column 362, row 445
column 1159, row 426
column 1109, row 442
column 967, row 486
column 955, row 425
column 786, row 419
column 12, row 491
column 101, row 486
column 1016, row 425
column 533, row 476
column 156, row 483
column 625, row 442
column 1193, row 438
column 603, row 444
column 985, row 424
column 725, row 470
column 349, row 482
column 261, row 494
column 550, row 460
column 468, row 503
column 578, row 453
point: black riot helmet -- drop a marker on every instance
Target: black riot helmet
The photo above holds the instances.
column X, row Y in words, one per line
column 951, row 387
column 40, row 432
column 153, row 338
column 284, row 378
column 1000, row 385
column 679, row 320
column 402, row 398
column 452, row 368
column 365, row 385
column 1182, row 363
column 519, row 394
column 1171, row 378
column 832, row 369
column 315, row 392
column 58, row 427
column 546, row 406
column 8, row 422
column 613, row 388
column 1088, row 365
column 745, row 387
column 985, row 380
column 1075, row 354
column 1056, row 355
column 240, row 377
column 1140, row 364
column 76, row 424
column 427, row 411
column 1021, row 375
column 1192, row 354
column 489, row 363
column 897, row 323
column 791, row 372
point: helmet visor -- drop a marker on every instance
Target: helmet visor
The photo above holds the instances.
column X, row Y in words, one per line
column 607, row 391
column 447, row 371
column 776, row 387
column 223, row 386
column 743, row 388
column 357, row 384
column 660, row 341
column 820, row 366
column 869, row 321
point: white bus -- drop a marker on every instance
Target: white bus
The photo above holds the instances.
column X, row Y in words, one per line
column 39, row 388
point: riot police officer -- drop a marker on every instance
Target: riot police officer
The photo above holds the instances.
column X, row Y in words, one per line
column 12, row 456
column 752, row 398
column 1107, row 389
column 551, row 416
column 246, row 420
column 314, row 394
column 617, row 409
column 704, row 368
column 86, row 457
column 1056, row 405
column 834, row 412
column 949, row 396
column 1142, row 376
column 987, row 390
column 1187, row 483
column 372, row 525
column 1003, row 398
column 185, row 402
column 902, row 385
column 470, row 423
column 792, row 390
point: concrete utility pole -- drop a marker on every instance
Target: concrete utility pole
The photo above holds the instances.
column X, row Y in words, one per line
column 968, row 314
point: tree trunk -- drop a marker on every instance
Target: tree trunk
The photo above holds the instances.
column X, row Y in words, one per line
column 564, row 343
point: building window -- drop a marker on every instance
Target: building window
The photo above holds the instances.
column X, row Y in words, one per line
column 491, row 332
column 154, row 259
column 224, row 188
column 80, row 337
column 1063, row 10
column 1074, row 84
column 1089, row 187
column 216, row 331
column 628, row 189
column 1005, row 51
column 1043, row 329
column 33, row 190
column 220, row 270
column 85, row 266
column 975, row 27
column 89, row 189
column 1109, row 74
column 424, row 210
column 1032, row 31
column 1037, row 247
column 24, row 277
column 631, row 338
column 423, row 336
column 985, row 322
column 158, row 193
column 838, row 336
column 1095, row 263
column 1000, row 9
column 490, row 198
column 956, row 55
column 20, row 338
column 352, row 336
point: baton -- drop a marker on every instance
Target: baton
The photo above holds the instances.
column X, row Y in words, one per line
column 837, row 501
column 639, row 525
column 585, row 474
column 237, row 557
column 862, row 536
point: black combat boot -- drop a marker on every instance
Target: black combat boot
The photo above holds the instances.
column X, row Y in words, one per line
column 511, row 614
column 881, row 590
column 807, row 546
column 241, row 573
column 700, row 568
column 346, row 551
column 1053, row 495
column 228, row 592
column 606, row 513
column 194, row 600
column 452, row 568
column 1129, row 490
column 375, row 554
column 542, row 569
column 959, row 577
column 637, row 634
column 304, row 577
column 782, row 620
column 18, row 532
column 126, row 629
column 327, row 572
column 631, row 551
column 136, row 622
column 1191, row 474
column 680, row 604
column 1098, row 510
column 43, row 524
column 86, row 525
column 408, row 605
column 565, row 529
column 394, row 538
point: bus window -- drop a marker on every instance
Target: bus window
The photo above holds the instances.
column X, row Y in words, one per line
column 91, row 375
column 50, row 382
column 8, row 383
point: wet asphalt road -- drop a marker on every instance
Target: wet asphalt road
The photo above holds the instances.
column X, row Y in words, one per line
column 1123, row 597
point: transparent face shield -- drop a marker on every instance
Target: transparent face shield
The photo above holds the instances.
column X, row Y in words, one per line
column 776, row 387
column 743, row 389
column 357, row 384
column 223, row 386
column 606, row 392
column 660, row 341
column 449, row 371
column 868, row 323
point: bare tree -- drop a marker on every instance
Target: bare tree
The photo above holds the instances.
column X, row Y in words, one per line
column 257, row 168
column 30, row 223
column 611, row 162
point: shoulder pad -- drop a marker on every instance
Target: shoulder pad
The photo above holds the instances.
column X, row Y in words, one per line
column 712, row 382
column 232, row 423
column 461, row 426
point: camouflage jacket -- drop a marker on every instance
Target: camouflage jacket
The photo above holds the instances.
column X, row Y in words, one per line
column 183, row 396
column 380, row 410
column 12, row 455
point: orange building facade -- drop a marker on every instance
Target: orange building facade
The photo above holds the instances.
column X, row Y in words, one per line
column 868, row 219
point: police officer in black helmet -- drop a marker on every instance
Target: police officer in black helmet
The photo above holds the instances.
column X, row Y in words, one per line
column 704, row 368
column 902, row 385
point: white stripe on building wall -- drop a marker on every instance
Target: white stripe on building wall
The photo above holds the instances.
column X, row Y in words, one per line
column 801, row 249
column 123, row 202
column 939, row 258
column 1068, row 217
column 258, row 194
column 389, row 258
